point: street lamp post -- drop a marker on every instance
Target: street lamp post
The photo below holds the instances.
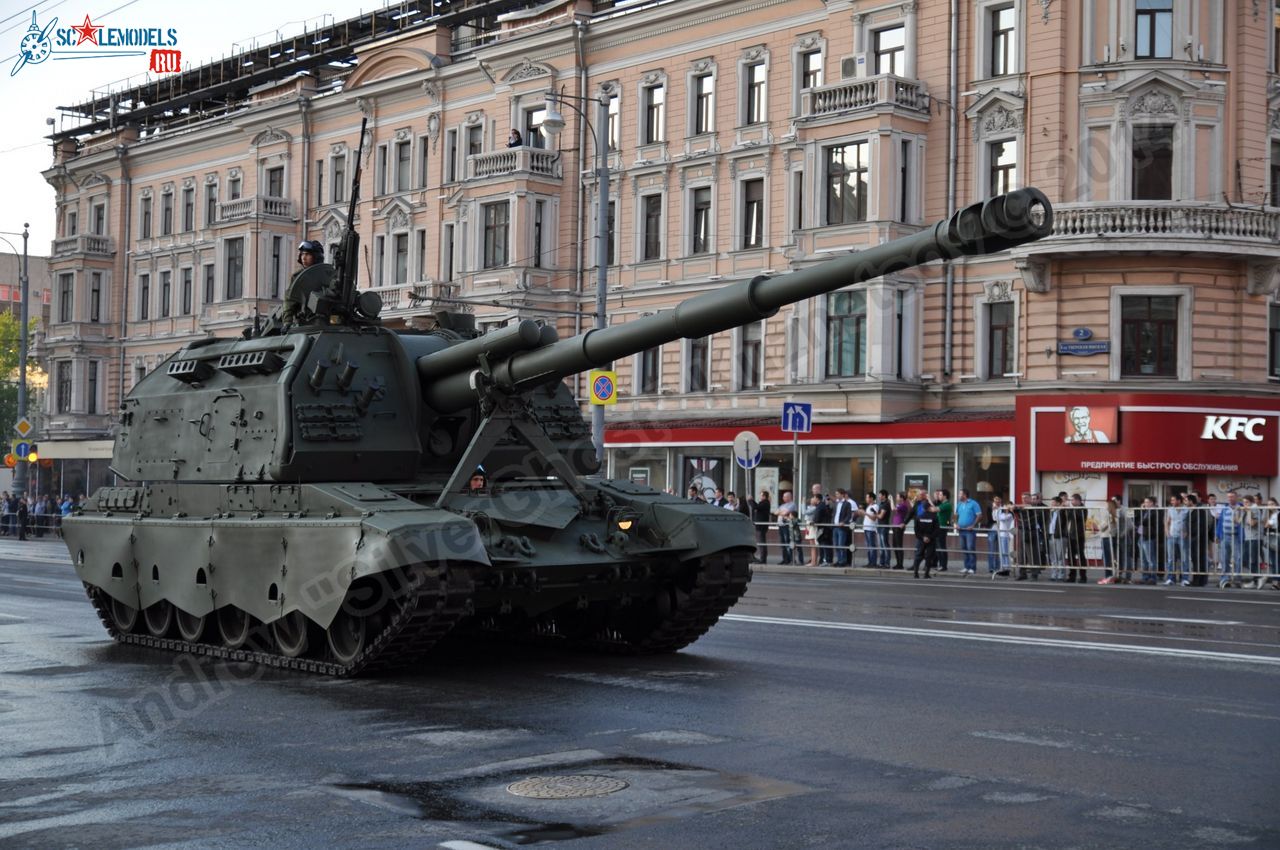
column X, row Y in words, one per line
column 20, row 473
column 553, row 122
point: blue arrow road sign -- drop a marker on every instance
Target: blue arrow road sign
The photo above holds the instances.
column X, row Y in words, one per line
column 797, row 416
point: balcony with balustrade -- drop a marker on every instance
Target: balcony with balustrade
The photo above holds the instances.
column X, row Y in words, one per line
column 524, row 161
column 82, row 245
column 403, row 300
column 865, row 95
column 256, row 207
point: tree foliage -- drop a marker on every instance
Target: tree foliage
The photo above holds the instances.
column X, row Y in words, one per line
column 9, row 340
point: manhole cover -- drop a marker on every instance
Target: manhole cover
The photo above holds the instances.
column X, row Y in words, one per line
column 566, row 787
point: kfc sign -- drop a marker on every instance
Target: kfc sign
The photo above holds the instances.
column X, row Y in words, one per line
column 1231, row 427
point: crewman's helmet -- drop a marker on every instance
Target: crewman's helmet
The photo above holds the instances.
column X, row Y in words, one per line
column 311, row 246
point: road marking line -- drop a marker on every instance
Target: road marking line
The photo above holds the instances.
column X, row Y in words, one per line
column 913, row 583
column 1173, row 620
column 1220, row 599
column 1091, row 632
column 1021, row 640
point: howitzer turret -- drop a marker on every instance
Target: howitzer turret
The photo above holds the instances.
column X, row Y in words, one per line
column 303, row 498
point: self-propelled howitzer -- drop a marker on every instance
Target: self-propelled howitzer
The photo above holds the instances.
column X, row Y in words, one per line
column 305, row 498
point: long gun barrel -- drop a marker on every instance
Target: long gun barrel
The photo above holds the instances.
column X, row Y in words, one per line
column 347, row 255
column 994, row 225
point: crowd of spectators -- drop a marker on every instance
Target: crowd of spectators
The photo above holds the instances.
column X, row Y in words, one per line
column 22, row 517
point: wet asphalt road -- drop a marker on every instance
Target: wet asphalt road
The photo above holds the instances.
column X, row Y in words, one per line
column 826, row 711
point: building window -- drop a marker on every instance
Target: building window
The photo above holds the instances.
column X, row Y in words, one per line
column 655, row 114
column 1275, row 40
column 496, row 223
column 904, row 181
column 210, row 204
column 811, row 69
column 533, row 134
column 233, row 188
column 750, row 351
column 404, row 165
column 188, row 210
column 475, row 140
column 647, row 363
column 1004, row 47
column 400, row 244
column 277, row 264
column 91, row 387
column 234, row 264
column 209, row 283
column 704, row 103
column 446, row 253
column 1149, row 336
column 1273, row 338
column 379, row 252
column 424, row 157
column 846, row 334
column 1153, row 29
column 1153, row 162
column 539, row 231
column 144, row 296
column 890, row 46
column 95, row 296
column 753, row 93
column 275, row 181
column 613, row 233
column 421, row 252
column 98, row 210
column 380, row 171
column 701, row 220
column 1000, row 339
column 899, row 333
column 186, row 291
column 753, row 213
column 166, row 214
column 798, row 214
column 1003, row 159
column 1274, row 200
column 73, row 222
column 451, row 156
column 699, row 373
column 63, row 384
column 66, row 295
column 338, row 166
column 652, row 233
column 614, row 122
column 144, row 219
column 847, row 167
column 166, row 293
column 319, row 182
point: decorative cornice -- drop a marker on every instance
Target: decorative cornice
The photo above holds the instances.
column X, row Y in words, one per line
column 528, row 70
column 1153, row 102
column 270, row 136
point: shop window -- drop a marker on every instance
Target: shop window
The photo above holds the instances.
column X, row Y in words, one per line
column 654, row 118
column 652, row 234
column 234, row 265
column 704, row 103
column 1153, row 162
column 750, row 356
column 1153, row 29
column 1273, row 337
column 890, row 47
column 66, row 295
column 648, row 376
column 95, row 296
column 984, row 471
column 1003, row 158
column 847, row 334
column 1002, row 26
column 847, row 167
column 1149, row 336
column 144, row 296
column 497, row 218
column 701, row 200
column 698, row 371
column 753, row 213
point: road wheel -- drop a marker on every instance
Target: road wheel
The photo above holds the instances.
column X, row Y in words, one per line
column 191, row 627
column 234, row 626
column 292, row 634
column 346, row 636
column 124, row 617
column 159, row 618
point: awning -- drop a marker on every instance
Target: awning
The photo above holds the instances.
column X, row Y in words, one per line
column 75, row 449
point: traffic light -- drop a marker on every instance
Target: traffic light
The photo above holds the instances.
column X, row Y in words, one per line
column 33, row 454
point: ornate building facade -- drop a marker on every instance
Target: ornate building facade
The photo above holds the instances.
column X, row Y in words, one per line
column 745, row 137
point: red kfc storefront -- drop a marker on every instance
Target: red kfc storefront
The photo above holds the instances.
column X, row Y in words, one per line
column 1136, row 445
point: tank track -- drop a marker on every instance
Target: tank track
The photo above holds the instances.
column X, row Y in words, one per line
column 720, row 580
column 435, row 600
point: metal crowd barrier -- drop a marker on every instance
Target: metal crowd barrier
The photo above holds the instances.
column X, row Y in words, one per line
column 1235, row 545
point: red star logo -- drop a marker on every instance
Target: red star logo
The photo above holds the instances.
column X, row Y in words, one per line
column 88, row 32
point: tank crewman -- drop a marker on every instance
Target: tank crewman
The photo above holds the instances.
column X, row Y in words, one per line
column 310, row 253
column 478, row 481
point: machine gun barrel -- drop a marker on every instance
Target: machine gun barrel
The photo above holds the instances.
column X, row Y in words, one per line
column 997, row 224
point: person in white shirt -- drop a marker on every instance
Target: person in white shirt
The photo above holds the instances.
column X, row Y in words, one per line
column 871, row 531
